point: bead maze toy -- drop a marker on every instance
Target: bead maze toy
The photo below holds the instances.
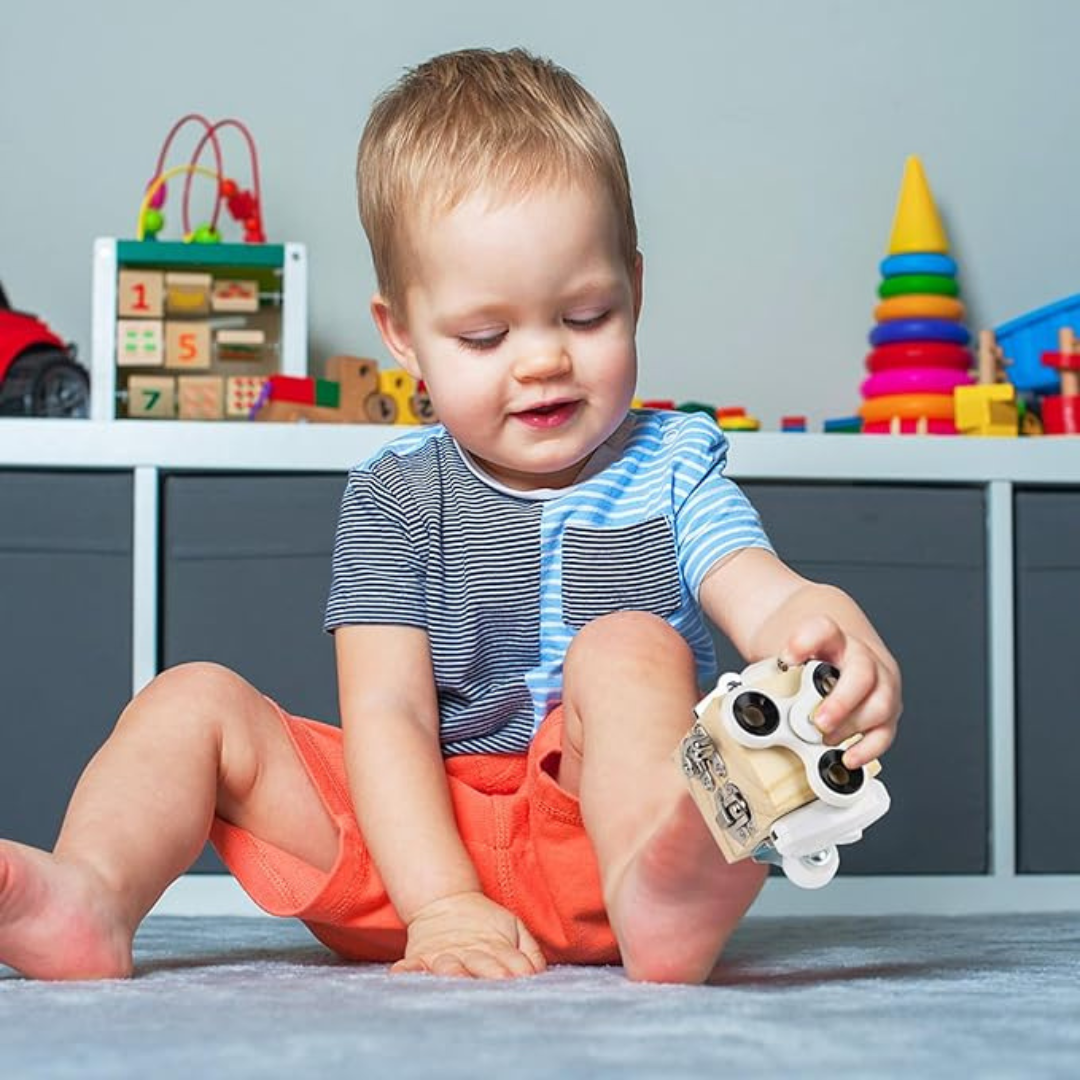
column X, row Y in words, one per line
column 919, row 351
column 1061, row 411
column 765, row 782
column 190, row 329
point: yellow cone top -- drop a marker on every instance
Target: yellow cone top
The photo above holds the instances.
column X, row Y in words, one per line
column 916, row 225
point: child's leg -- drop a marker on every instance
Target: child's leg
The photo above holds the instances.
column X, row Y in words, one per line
column 197, row 741
column 628, row 695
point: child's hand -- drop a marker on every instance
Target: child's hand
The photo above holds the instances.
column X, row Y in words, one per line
column 867, row 695
column 468, row 934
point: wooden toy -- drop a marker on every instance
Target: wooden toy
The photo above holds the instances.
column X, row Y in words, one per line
column 908, row 407
column 140, row 294
column 187, row 345
column 230, row 295
column 151, row 397
column 1025, row 339
column 918, row 262
column 188, row 293
column 763, row 778
column 922, row 425
column 917, row 380
column 271, row 339
column 917, row 229
column 1061, row 412
column 793, row 423
column 919, row 330
column 140, row 343
column 919, row 306
column 735, row 418
column 241, row 393
column 918, row 285
column 399, row 386
column 201, row 397
column 986, row 409
column 843, row 425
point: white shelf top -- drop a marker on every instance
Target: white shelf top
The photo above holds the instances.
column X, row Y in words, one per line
column 223, row 446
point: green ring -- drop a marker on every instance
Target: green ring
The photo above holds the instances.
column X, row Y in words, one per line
column 905, row 284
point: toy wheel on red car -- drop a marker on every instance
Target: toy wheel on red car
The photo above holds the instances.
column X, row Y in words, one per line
column 39, row 375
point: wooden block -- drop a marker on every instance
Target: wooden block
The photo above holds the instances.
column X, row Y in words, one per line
column 202, row 397
column 297, row 388
column 380, row 409
column 140, row 343
column 140, row 293
column 241, row 393
column 187, row 294
column 230, row 294
column 151, row 397
column 420, row 407
column 297, row 412
column 187, row 345
column 400, row 386
column 241, row 345
column 358, row 378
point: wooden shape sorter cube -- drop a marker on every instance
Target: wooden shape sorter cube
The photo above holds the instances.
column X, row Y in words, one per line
column 241, row 393
column 231, row 295
column 202, row 397
column 151, row 397
column 140, row 293
column 187, row 293
column 187, row 345
column 140, row 343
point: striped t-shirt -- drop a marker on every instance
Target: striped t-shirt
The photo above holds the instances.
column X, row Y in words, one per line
column 501, row 580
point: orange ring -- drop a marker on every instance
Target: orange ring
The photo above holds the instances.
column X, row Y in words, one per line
column 907, row 407
column 919, row 306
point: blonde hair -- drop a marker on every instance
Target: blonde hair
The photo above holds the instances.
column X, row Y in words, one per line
column 507, row 121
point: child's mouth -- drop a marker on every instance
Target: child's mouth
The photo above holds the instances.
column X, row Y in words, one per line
column 551, row 415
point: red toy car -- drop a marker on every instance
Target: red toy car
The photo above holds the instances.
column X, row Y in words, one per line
column 39, row 375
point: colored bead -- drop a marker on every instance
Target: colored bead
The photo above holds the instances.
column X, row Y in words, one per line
column 205, row 234
column 153, row 222
column 228, row 188
column 157, row 200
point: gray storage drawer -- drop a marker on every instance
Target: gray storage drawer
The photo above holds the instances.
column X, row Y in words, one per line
column 914, row 558
column 1048, row 714
column 246, row 573
column 65, row 635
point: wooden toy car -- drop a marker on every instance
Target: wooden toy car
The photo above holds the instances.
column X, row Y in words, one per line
column 768, row 786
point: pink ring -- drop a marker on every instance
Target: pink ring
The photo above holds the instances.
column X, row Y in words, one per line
column 914, row 380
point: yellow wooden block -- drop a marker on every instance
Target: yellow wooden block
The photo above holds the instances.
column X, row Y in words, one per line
column 400, row 386
column 187, row 294
column 140, row 343
column 187, row 345
column 986, row 409
column 230, row 294
column 202, row 397
column 151, row 397
column 140, row 293
column 241, row 393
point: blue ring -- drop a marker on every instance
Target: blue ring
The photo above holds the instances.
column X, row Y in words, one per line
column 894, row 330
column 918, row 262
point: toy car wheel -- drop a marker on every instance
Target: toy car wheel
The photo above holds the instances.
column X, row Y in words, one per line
column 812, row 871
column 45, row 383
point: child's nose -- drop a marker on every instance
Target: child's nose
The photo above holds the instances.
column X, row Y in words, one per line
column 542, row 363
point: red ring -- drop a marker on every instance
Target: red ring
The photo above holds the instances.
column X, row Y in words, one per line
column 909, row 354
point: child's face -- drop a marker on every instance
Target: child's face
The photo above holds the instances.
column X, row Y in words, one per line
column 520, row 317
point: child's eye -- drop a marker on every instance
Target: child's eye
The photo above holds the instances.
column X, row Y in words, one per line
column 482, row 343
column 587, row 323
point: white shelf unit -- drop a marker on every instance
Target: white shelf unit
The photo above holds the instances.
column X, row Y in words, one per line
column 150, row 447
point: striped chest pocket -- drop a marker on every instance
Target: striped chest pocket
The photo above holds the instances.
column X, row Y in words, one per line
column 632, row 568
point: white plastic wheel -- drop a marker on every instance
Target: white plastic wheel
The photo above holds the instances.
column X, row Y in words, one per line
column 812, row 871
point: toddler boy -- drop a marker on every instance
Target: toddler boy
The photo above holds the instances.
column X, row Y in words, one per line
column 517, row 601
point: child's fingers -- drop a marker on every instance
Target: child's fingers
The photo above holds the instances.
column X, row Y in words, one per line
column 531, row 950
column 858, row 678
column 818, row 638
column 872, row 745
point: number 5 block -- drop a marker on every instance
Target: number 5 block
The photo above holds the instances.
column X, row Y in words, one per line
column 187, row 345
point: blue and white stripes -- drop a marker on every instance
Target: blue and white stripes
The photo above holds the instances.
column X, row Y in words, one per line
column 502, row 581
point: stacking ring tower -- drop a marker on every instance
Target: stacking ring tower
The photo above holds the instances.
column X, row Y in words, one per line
column 919, row 343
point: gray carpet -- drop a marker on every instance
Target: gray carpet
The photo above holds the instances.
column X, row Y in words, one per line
column 237, row 997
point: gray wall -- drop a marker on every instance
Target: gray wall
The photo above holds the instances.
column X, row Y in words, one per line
column 766, row 142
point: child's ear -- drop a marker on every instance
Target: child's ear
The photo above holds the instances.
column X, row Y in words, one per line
column 395, row 335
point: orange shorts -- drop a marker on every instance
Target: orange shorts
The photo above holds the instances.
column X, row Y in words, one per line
column 523, row 832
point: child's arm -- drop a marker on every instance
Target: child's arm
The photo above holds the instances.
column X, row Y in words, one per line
column 767, row 609
column 398, row 784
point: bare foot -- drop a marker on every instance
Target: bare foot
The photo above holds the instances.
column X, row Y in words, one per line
column 55, row 921
column 678, row 900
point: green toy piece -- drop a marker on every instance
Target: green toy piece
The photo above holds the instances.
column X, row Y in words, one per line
column 906, row 284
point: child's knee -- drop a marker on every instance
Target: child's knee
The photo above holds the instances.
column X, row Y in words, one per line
column 195, row 687
column 627, row 638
